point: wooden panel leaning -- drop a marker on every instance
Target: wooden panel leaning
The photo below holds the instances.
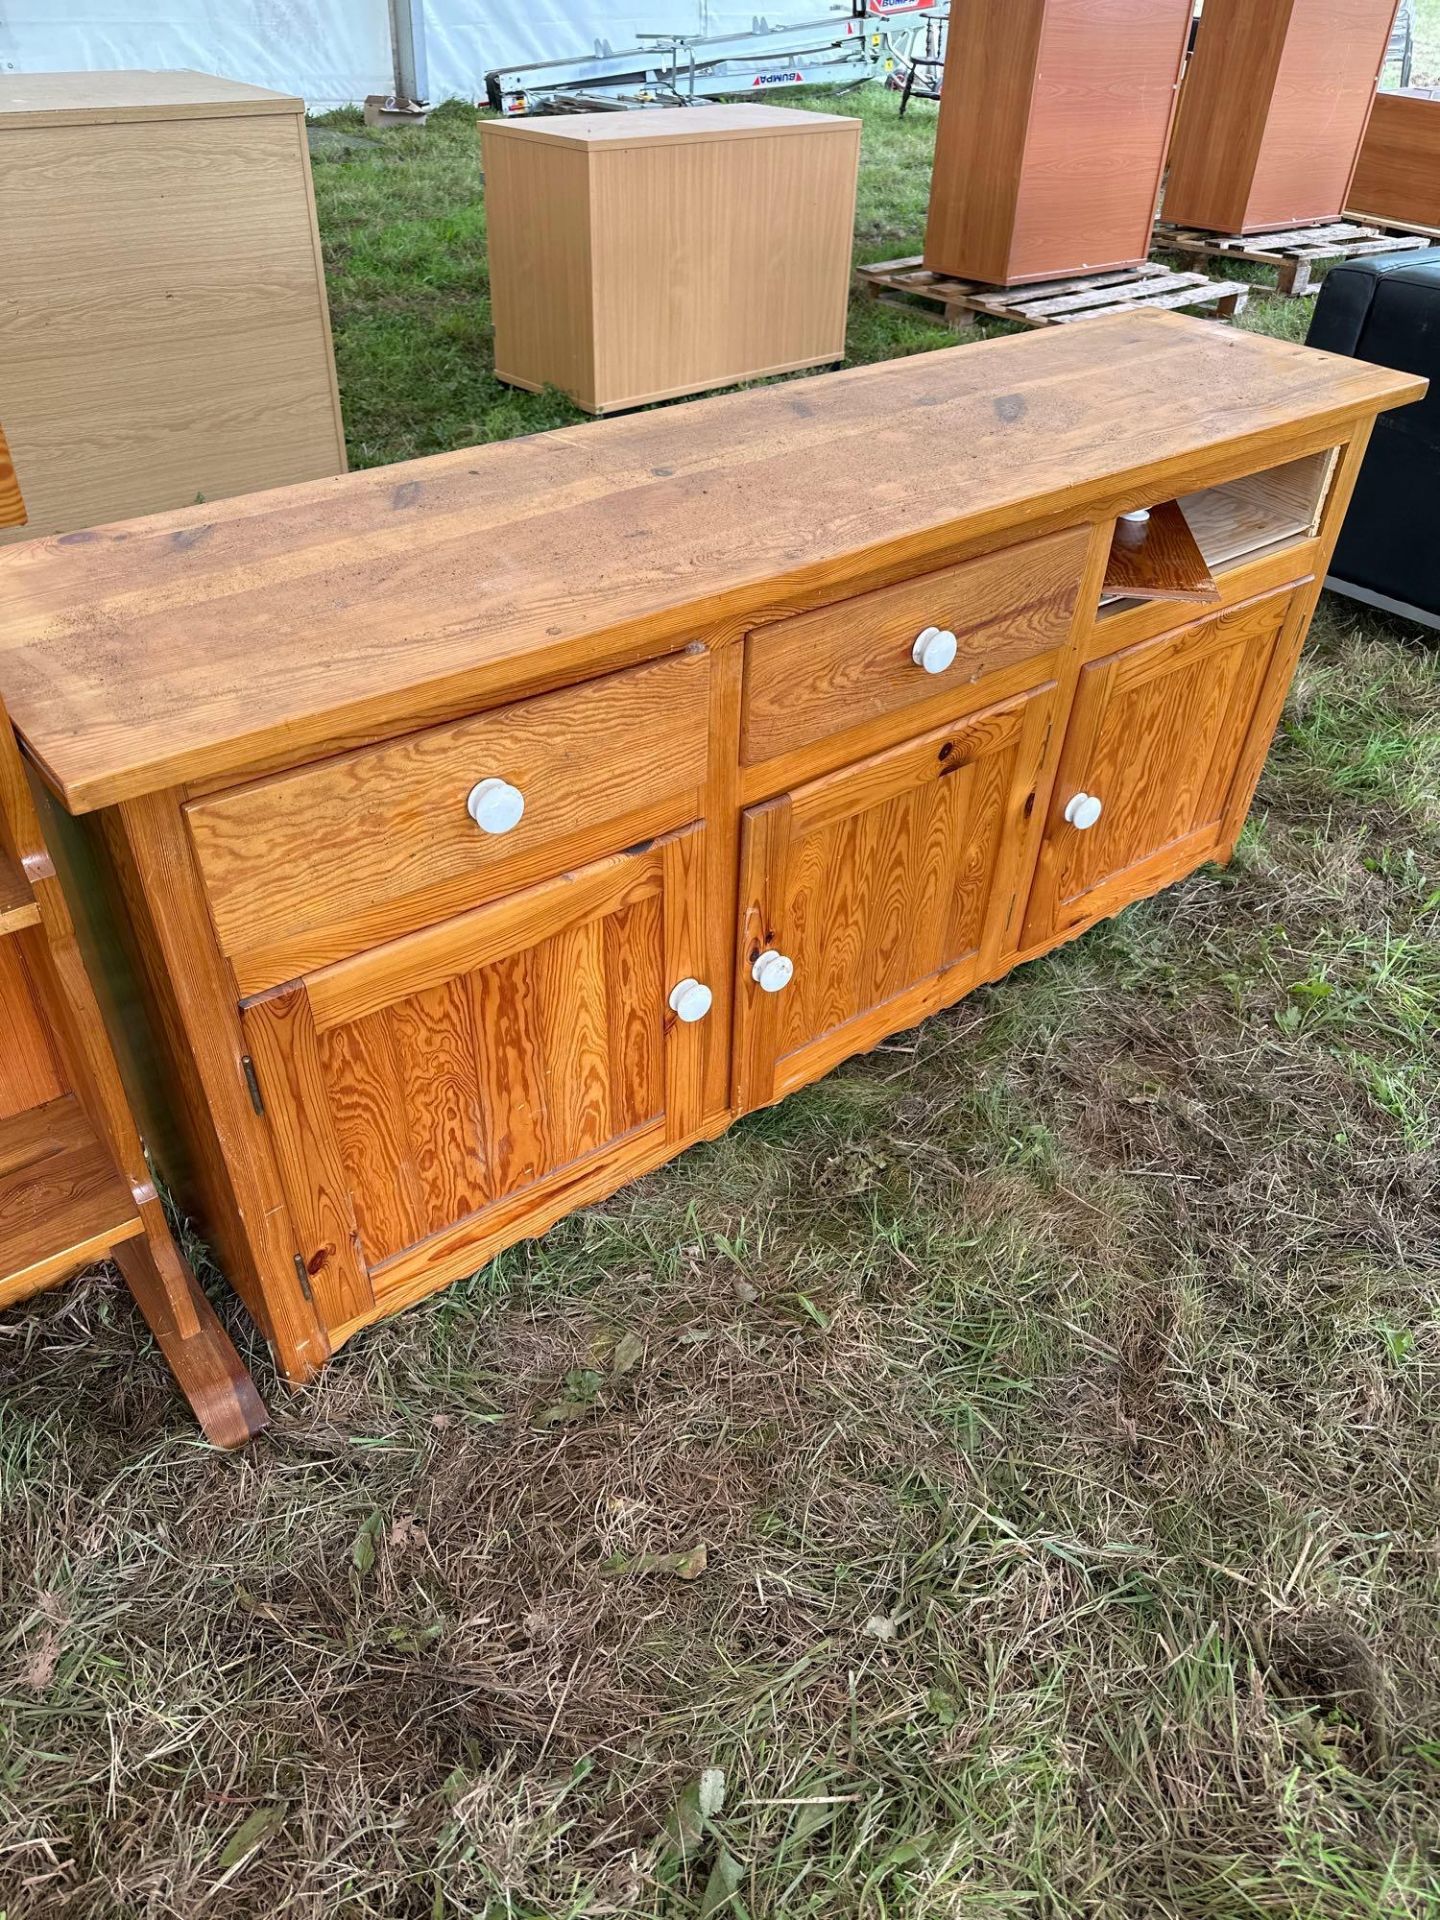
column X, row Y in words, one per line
column 1397, row 178
column 1273, row 111
column 1054, row 117
column 721, row 743
column 165, row 336
column 635, row 256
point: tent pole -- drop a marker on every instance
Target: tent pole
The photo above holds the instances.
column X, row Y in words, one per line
column 407, row 34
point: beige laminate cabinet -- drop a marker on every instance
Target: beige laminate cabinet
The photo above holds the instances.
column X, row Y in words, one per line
column 637, row 256
column 164, row 335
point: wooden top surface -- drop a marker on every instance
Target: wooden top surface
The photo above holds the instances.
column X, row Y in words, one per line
column 671, row 125
column 47, row 99
column 197, row 643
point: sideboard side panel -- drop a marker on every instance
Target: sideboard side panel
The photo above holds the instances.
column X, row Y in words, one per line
column 195, row 1004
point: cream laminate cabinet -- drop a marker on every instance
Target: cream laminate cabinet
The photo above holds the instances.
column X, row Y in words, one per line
column 164, row 334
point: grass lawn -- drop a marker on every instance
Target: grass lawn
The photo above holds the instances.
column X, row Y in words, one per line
column 1004, row 1481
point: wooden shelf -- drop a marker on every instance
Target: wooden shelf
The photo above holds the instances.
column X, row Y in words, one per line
column 1245, row 517
column 1158, row 559
column 62, row 1202
column 17, row 903
column 1238, row 520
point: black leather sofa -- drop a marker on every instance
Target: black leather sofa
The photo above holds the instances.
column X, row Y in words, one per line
column 1387, row 310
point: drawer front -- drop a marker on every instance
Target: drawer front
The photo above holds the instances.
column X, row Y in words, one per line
column 310, row 866
column 821, row 673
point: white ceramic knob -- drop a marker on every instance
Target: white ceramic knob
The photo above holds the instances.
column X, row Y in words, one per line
column 934, row 649
column 691, row 1001
column 1083, row 810
column 773, row 972
column 495, row 806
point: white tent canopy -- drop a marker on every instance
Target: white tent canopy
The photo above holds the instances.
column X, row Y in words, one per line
column 334, row 52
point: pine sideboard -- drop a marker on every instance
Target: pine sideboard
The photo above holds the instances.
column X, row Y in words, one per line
column 489, row 828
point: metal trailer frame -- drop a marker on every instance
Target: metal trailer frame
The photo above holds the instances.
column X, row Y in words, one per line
column 841, row 48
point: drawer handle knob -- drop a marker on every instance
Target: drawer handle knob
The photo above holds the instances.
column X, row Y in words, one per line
column 495, row 806
column 935, row 649
column 691, row 1001
column 773, row 972
column 1082, row 810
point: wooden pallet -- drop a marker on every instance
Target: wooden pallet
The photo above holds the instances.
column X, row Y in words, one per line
column 1412, row 230
column 1296, row 253
column 1047, row 303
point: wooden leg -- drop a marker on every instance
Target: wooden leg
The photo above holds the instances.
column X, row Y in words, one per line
column 207, row 1369
column 1295, row 278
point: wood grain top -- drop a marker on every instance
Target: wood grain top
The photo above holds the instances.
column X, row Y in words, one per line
column 664, row 125
column 203, row 642
column 45, row 99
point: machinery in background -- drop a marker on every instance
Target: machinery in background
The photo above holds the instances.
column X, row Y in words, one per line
column 840, row 48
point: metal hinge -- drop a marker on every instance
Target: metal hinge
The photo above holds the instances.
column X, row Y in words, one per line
column 252, row 1081
column 303, row 1277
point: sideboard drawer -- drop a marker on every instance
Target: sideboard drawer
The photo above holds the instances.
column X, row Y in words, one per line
column 820, row 673
column 309, row 866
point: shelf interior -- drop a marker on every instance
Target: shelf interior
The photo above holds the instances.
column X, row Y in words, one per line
column 1236, row 521
column 1246, row 517
column 63, row 1204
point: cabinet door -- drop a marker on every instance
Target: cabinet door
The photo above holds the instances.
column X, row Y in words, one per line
column 890, row 888
column 1156, row 736
column 440, row 1096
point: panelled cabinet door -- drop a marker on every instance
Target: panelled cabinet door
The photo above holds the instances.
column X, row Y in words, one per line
column 1157, row 733
column 426, row 1094
column 874, row 895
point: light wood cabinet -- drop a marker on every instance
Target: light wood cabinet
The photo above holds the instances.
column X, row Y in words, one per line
column 1273, row 111
column 789, row 695
column 1054, row 117
column 164, row 333
column 635, row 256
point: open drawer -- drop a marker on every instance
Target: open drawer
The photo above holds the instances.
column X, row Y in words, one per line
column 1176, row 553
